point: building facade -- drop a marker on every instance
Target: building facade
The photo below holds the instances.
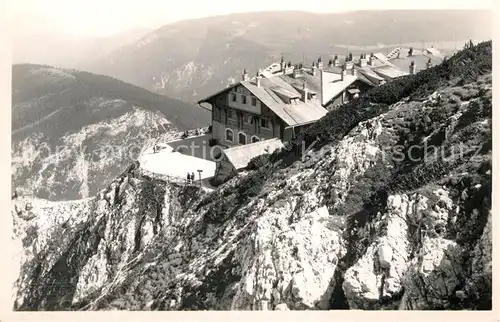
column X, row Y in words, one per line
column 260, row 109
column 239, row 117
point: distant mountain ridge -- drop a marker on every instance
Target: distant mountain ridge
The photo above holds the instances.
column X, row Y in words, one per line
column 73, row 130
column 66, row 50
column 193, row 58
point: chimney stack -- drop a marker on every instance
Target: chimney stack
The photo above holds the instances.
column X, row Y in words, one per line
column 429, row 63
column 336, row 62
column 412, row 68
column 288, row 68
column 410, row 52
column 370, row 59
column 298, row 71
column 314, row 69
column 283, row 64
column 348, row 64
column 305, row 92
column 362, row 60
column 245, row 75
column 320, row 63
column 342, row 74
column 257, row 78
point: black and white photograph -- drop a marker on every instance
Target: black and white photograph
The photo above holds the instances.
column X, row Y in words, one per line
column 250, row 156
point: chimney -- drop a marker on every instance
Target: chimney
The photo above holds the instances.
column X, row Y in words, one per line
column 336, row 62
column 342, row 74
column 245, row 75
column 362, row 60
column 289, row 68
column 410, row 52
column 305, row 92
column 321, row 86
column 370, row 60
column 257, row 78
column 298, row 71
column 330, row 63
column 412, row 68
column 282, row 64
column 320, row 63
column 354, row 72
column 348, row 64
column 429, row 63
column 314, row 69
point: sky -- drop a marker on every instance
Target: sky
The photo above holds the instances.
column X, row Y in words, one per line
column 106, row 17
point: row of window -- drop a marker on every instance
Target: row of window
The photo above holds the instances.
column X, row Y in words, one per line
column 248, row 119
column 242, row 137
column 243, row 99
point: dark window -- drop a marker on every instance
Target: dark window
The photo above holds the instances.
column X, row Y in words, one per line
column 255, row 139
column 243, row 99
column 233, row 97
column 229, row 135
column 242, row 138
column 229, row 114
column 254, row 101
column 264, row 123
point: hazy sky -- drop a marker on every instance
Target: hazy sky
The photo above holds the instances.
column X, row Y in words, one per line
column 105, row 17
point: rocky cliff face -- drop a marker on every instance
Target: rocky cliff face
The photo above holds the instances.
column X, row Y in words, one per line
column 365, row 223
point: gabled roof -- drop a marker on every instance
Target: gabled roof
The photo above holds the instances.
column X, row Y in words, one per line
column 293, row 114
column 370, row 74
column 333, row 85
column 239, row 156
column 420, row 60
column 381, row 57
column 206, row 99
column 338, row 70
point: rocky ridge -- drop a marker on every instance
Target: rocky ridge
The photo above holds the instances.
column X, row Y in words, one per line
column 357, row 223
